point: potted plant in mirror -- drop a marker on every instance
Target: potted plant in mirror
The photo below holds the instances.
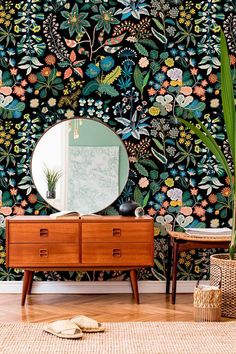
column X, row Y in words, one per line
column 226, row 262
column 52, row 177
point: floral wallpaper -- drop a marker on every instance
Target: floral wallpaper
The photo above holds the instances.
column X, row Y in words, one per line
column 136, row 65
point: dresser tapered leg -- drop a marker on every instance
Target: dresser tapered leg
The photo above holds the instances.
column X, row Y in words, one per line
column 30, row 282
column 25, row 286
column 134, row 284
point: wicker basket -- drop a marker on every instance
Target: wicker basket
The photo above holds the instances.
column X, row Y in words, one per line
column 228, row 282
column 207, row 303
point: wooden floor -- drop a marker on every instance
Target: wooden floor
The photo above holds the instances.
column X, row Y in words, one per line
column 104, row 308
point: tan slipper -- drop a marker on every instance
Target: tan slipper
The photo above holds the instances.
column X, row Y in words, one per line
column 88, row 325
column 64, row 329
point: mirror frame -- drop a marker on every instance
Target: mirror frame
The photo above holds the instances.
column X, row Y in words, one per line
column 84, row 118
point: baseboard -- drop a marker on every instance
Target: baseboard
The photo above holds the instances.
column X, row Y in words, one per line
column 96, row 287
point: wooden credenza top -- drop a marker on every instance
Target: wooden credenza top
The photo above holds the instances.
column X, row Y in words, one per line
column 87, row 218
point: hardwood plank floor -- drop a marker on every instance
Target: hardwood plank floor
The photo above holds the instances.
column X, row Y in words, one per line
column 104, row 308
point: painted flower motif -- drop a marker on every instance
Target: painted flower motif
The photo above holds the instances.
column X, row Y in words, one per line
column 175, row 194
column 5, row 101
column 75, row 21
column 105, row 19
column 175, row 74
column 107, row 63
column 133, row 8
column 166, row 102
column 92, row 70
column 143, row 182
column 165, row 222
column 184, row 101
column 154, row 111
column 143, row 62
column 183, row 220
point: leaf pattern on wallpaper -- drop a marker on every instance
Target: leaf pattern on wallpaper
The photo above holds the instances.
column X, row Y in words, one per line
column 136, row 66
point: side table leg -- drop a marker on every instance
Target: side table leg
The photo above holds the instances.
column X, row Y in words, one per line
column 175, row 263
column 30, row 282
column 134, row 284
column 25, row 286
column 168, row 269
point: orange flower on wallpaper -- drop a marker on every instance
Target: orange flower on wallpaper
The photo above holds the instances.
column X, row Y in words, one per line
column 46, row 71
column 199, row 91
column 19, row 91
column 18, row 210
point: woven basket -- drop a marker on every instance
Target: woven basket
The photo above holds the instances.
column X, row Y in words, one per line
column 228, row 286
column 207, row 303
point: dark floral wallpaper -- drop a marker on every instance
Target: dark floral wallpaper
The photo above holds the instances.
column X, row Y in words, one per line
column 136, row 65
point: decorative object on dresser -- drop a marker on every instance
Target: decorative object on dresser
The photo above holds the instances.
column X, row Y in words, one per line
column 41, row 243
column 128, row 208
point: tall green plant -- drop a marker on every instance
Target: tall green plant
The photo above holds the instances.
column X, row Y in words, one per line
column 227, row 95
column 52, row 176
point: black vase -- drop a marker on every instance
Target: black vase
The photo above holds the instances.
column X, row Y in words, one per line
column 51, row 194
column 128, row 208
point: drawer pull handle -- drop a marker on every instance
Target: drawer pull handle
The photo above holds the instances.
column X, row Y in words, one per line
column 43, row 253
column 116, row 232
column 116, row 252
column 43, row 232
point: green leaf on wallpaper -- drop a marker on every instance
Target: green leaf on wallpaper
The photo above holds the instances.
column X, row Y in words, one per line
column 142, row 170
column 164, row 55
column 7, row 199
column 154, row 54
column 158, row 24
column 164, row 175
column 159, row 36
column 145, row 80
column 148, row 163
column 148, row 42
column 141, row 49
column 138, row 197
column 154, row 187
column 90, row 87
column 158, row 144
column 154, row 174
column 156, row 274
column 63, row 64
column 154, row 67
column 138, row 78
column 111, row 211
column 159, row 156
column 187, row 79
column 145, row 200
column 223, row 213
column 112, row 76
column 108, row 89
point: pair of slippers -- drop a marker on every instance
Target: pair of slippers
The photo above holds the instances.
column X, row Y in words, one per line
column 74, row 328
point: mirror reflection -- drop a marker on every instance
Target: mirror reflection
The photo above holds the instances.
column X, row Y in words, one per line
column 80, row 165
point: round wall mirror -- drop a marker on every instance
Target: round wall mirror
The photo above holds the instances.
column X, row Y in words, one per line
column 80, row 165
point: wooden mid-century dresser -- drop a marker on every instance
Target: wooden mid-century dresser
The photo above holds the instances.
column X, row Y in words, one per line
column 41, row 243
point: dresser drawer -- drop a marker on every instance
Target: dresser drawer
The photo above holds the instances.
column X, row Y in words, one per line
column 117, row 254
column 39, row 255
column 43, row 232
column 117, row 232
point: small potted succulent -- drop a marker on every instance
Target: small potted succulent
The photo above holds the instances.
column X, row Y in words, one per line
column 226, row 262
column 52, row 176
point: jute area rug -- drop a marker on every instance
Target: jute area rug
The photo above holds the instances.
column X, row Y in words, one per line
column 123, row 338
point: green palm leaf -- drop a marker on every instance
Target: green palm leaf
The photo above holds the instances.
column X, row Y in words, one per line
column 227, row 95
